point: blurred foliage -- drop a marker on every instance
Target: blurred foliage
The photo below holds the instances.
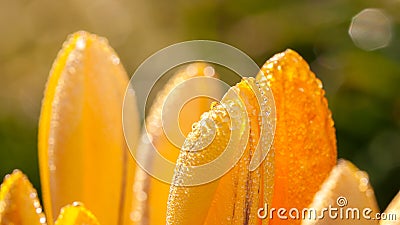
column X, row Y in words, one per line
column 362, row 86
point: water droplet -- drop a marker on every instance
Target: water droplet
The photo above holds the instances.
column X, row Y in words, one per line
column 141, row 196
column 192, row 70
column 38, row 210
column 32, row 195
column 80, row 43
column 115, row 60
column 76, row 204
column 209, row 71
column 136, row 216
column 36, row 204
column 52, row 167
column 42, row 220
column 71, row 69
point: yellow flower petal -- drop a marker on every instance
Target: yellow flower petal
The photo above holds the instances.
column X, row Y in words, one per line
column 151, row 194
column 305, row 142
column 237, row 195
column 18, row 201
column 240, row 192
column 346, row 187
column 304, row 145
column 82, row 151
column 76, row 214
column 393, row 209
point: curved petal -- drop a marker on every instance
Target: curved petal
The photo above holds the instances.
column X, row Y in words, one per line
column 305, row 142
column 346, row 188
column 82, row 151
column 19, row 203
column 76, row 214
column 151, row 194
column 237, row 195
column 394, row 210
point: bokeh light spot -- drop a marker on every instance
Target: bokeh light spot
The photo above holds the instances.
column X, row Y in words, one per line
column 371, row 29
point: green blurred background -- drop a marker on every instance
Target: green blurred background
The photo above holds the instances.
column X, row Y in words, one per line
column 357, row 59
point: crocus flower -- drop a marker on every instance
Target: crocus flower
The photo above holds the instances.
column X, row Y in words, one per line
column 82, row 150
column 85, row 163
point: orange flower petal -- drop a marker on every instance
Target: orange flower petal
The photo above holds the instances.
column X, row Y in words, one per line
column 82, row 151
column 18, row 201
column 76, row 214
column 305, row 142
column 237, row 195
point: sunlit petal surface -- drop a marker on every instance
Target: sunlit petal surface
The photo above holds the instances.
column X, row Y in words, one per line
column 19, row 203
column 76, row 214
column 151, row 194
column 82, row 151
column 346, row 187
column 305, row 142
column 393, row 209
column 240, row 192
column 235, row 197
